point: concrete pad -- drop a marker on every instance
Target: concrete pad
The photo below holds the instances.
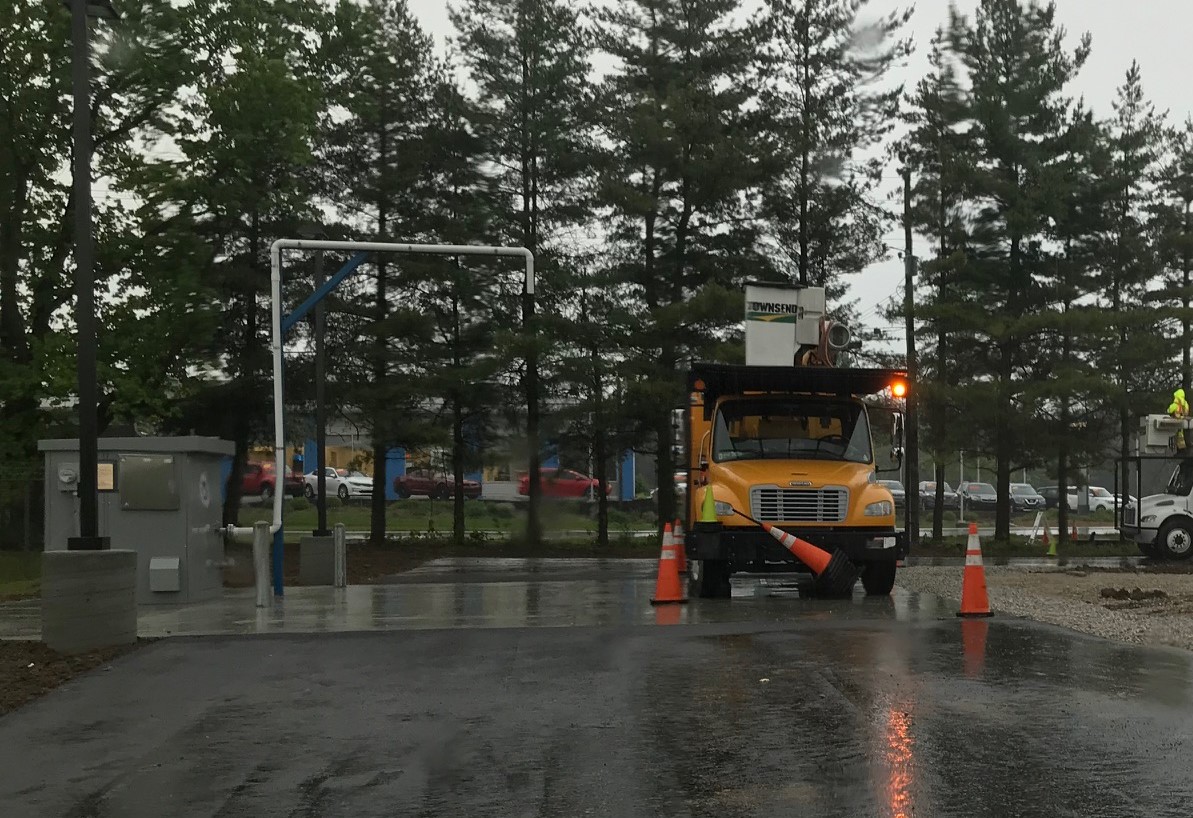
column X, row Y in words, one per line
column 88, row 599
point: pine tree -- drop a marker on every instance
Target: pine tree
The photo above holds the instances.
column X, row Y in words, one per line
column 376, row 146
column 936, row 150
column 530, row 63
column 1018, row 69
column 829, row 110
column 1175, row 220
column 1136, row 350
column 247, row 130
column 682, row 179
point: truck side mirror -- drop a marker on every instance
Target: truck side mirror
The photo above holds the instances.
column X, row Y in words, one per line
column 897, row 433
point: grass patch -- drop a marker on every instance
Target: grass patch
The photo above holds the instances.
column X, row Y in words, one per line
column 20, row 574
column 434, row 517
column 1020, row 547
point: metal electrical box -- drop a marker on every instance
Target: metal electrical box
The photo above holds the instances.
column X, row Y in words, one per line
column 158, row 496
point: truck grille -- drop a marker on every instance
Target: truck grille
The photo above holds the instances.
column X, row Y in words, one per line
column 777, row 505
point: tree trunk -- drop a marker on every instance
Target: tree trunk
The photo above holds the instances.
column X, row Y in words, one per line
column 241, row 427
column 599, row 450
column 938, row 505
column 458, row 532
column 457, row 421
column 1187, row 272
column 529, row 163
column 380, row 349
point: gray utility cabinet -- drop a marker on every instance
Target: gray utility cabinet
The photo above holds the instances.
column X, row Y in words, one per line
column 158, row 496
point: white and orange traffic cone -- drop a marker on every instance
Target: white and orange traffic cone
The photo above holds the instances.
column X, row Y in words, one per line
column 974, row 599
column 668, row 588
column 834, row 569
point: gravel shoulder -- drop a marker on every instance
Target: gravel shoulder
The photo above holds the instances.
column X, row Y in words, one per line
column 1085, row 600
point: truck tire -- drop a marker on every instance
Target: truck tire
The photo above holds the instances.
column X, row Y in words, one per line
column 266, row 492
column 1175, row 540
column 878, row 578
column 709, row 579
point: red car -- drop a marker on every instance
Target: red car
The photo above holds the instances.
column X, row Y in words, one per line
column 261, row 479
column 435, row 486
column 563, row 483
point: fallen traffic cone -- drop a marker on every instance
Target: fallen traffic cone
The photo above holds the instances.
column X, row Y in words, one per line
column 667, row 587
column 680, row 550
column 834, row 569
column 974, row 600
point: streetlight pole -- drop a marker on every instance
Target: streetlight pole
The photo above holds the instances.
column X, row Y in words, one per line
column 913, row 415
column 88, row 539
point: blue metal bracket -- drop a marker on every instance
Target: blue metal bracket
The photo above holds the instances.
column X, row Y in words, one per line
column 288, row 321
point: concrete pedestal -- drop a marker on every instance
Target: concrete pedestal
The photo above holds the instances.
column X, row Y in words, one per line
column 317, row 560
column 88, row 599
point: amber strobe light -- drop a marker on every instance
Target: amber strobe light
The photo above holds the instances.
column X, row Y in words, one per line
column 899, row 389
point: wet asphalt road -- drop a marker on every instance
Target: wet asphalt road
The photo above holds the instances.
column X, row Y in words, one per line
column 801, row 707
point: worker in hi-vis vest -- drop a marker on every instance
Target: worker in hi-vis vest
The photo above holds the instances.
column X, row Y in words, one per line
column 1179, row 408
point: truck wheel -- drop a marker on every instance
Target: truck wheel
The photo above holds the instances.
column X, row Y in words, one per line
column 709, row 579
column 1175, row 540
column 309, row 491
column 878, row 578
column 266, row 492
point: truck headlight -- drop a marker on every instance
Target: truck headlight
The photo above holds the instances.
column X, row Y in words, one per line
column 883, row 508
column 1147, row 518
column 722, row 509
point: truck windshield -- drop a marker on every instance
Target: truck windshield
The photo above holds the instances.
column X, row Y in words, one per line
column 791, row 429
column 1182, row 479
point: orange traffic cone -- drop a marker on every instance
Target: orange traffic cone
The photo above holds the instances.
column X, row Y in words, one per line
column 974, row 601
column 835, row 568
column 680, row 552
column 1074, row 535
column 667, row 587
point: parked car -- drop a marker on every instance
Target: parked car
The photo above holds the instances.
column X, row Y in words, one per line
column 898, row 493
column 979, row 496
column 563, row 483
column 1026, row 498
column 260, row 480
column 341, row 483
column 433, row 485
column 1051, row 495
column 1101, row 500
column 928, row 496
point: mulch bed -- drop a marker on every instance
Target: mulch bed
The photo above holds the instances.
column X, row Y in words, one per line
column 30, row 669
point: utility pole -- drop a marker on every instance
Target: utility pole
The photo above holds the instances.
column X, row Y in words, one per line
column 913, row 436
column 88, row 388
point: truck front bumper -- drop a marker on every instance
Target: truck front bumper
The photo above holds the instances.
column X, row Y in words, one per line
column 1144, row 536
column 754, row 550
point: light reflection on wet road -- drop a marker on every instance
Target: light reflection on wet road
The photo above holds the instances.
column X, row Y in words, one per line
column 767, row 705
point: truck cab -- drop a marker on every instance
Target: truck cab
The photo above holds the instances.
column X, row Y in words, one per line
column 1162, row 524
column 792, row 448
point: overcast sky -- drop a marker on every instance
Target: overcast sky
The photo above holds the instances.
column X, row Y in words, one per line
column 1154, row 32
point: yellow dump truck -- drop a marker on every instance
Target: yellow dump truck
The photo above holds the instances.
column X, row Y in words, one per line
column 786, row 440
